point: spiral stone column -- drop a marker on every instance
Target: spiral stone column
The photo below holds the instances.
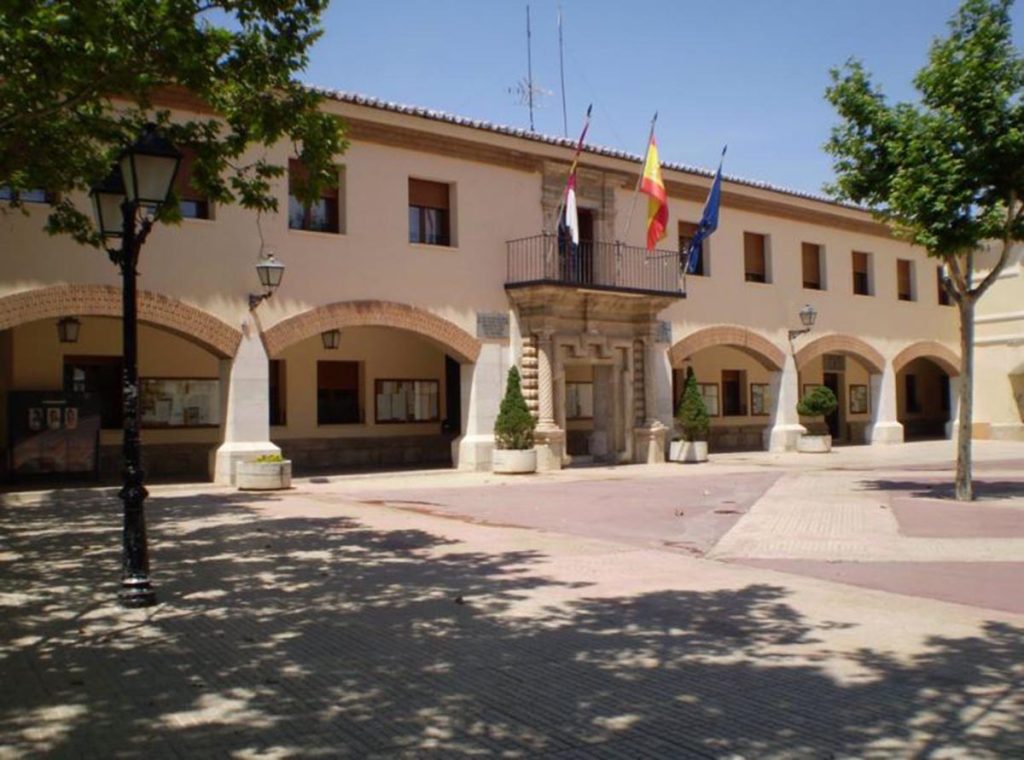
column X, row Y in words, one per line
column 529, row 374
column 639, row 396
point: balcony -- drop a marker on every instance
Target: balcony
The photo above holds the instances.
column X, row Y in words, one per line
column 610, row 267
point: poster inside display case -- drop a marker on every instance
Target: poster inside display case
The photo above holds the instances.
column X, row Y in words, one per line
column 178, row 402
column 53, row 432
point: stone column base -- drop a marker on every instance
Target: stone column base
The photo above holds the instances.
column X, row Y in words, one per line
column 996, row 431
column 473, row 452
column 550, row 446
column 649, row 444
column 884, row 433
column 228, row 455
column 783, row 437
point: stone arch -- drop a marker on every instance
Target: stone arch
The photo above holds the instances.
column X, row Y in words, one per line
column 842, row 344
column 177, row 317
column 342, row 314
column 928, row 349
column 757, row 346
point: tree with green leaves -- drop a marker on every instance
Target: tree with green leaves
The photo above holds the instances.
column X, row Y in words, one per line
column 692, row 412
column 947, row 172
column 80, row 79
column 513, row 429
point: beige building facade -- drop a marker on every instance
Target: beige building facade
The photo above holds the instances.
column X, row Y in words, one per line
column 410, row 292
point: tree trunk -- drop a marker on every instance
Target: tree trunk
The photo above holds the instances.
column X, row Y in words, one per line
column 964, row 484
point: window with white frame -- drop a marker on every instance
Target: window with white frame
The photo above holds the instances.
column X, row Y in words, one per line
column 579, row 401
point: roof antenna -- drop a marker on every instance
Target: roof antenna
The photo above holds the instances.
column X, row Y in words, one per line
column 525, row 91
column 561, row 70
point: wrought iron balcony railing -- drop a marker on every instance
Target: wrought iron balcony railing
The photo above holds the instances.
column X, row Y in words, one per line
column 548, row 260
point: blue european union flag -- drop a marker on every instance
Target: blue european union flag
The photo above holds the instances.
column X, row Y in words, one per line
column 708, row 221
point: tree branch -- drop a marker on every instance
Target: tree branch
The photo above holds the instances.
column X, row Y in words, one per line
column 1012, row 214
column 947, row 284
column 90, row 90
column 957, row 277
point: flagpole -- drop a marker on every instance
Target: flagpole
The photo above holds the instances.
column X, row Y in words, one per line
column 529, row 67
column 572, row 166
column 640, row 179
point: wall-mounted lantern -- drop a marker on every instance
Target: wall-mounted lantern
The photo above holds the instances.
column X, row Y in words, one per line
column 68, row 329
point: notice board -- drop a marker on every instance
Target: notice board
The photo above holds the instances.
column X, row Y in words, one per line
column 53, row 432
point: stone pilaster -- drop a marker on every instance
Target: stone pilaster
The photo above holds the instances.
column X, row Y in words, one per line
column 885, row 427
column 650, row 434
column 483, row 385
column 784, row 429
column 549, row 438
column 247, row 407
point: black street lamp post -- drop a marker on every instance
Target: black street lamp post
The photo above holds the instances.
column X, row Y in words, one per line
column 137, row 189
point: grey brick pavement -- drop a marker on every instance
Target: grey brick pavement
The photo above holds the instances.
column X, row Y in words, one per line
column 291, row 627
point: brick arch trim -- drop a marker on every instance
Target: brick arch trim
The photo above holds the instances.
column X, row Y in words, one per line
column 757, row 346
column 342, row 314
column 170, row 314
column 848, row 345
column 928, row 349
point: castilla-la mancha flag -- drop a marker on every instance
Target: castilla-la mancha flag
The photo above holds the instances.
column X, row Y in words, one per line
column 657, row 200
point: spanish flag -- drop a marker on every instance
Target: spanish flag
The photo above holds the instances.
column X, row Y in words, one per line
column 657, row 200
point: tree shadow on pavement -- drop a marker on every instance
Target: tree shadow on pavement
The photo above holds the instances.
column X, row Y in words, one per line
column 307, row 636
column 984, row 490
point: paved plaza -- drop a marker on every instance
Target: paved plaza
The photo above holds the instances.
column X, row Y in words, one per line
column 760, row 605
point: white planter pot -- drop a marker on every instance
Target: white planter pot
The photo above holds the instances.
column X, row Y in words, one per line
column 263, row 476
column 688, row 451
column 814, row 444
column 514, row 461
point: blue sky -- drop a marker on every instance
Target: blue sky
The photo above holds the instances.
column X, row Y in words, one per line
column 750, row 73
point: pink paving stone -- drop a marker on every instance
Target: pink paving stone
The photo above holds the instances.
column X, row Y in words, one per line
column 687, row 514
column 993, row 585
column 924, row 507
column 935, row 518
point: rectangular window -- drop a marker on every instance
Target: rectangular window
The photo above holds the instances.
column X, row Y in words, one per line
column 337, row 393
column 579, row 401
column 429, row 212
column 833, row 363
column 861, row 273
column 99, row 375
column 407, row 400
column 687, row 230
column 760, row 399
column 709, row 392
column 278, row 412
column 755, row 257
column 812, row 266
column 734, row 393
column 324, row 214
column 944, row 299
column 191, row 202
column 910, row 386
column 905, row 279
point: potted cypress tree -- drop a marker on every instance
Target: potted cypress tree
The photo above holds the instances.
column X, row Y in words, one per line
column 693, row 423
column 817, row 403
column 513, row 431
